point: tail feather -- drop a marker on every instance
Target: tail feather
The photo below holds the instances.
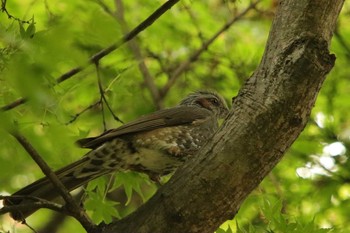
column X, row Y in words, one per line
column 44, row 189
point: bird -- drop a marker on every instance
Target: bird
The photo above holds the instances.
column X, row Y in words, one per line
column 155, row 144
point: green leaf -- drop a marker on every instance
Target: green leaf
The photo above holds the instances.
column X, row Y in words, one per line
column 22, row 32
column 131, row 181
column 30, row 30
column 102, row 210
column 219, row 230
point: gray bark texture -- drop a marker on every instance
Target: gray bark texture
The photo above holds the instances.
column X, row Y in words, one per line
column 267, row 116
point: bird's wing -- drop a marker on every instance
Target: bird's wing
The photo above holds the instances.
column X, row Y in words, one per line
column 163, row 118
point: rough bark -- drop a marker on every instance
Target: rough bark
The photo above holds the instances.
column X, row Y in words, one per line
column 269, row 113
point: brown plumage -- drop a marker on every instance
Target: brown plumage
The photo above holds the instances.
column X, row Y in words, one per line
column 155, row 144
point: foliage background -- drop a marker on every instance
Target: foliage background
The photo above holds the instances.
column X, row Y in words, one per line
column 308, row 191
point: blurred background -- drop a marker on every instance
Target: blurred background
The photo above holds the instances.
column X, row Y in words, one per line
column 214, row 44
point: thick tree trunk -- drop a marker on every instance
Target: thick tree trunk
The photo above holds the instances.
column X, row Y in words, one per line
column 269, row 113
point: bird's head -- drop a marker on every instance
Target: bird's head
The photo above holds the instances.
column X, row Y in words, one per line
column 208, row 100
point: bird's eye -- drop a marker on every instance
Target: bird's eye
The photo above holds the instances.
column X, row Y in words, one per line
column 214, row 102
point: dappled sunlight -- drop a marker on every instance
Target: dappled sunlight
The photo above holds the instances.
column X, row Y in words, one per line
column 324, row 164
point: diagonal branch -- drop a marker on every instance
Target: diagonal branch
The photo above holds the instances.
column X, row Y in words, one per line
column 14, row 104
column 39, row 203
column 3, row 9
column 195, row 55
column 267, row 116
column 75, row 117
column 103, row 100
column 135, row 48
column 72, row 206
column 104, row 52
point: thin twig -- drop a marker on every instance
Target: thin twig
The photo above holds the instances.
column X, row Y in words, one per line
column 105, row 7
column 75, row 117
column 96, row 57
column 185, row 65
column 135, row 48
column 159, row 59
column 3, row 9
column 194, row 21
column 111, row 111
column 14, row 104
column 33, row 198
column 39, row 203
column 103, row 98
column 56, row 220
column 72, row 206
column 102, row 95
column 30, row 227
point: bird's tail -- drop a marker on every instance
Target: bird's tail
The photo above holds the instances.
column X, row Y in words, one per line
column 72, row 176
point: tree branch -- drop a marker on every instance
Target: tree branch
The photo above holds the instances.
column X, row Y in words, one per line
column 269, row 113
column 135, row 48
column 195, row 55
column 39, row 203
column 72, row 206
column 75, row 117
column 98, row 56
column 14, row 104
column 3, row 9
